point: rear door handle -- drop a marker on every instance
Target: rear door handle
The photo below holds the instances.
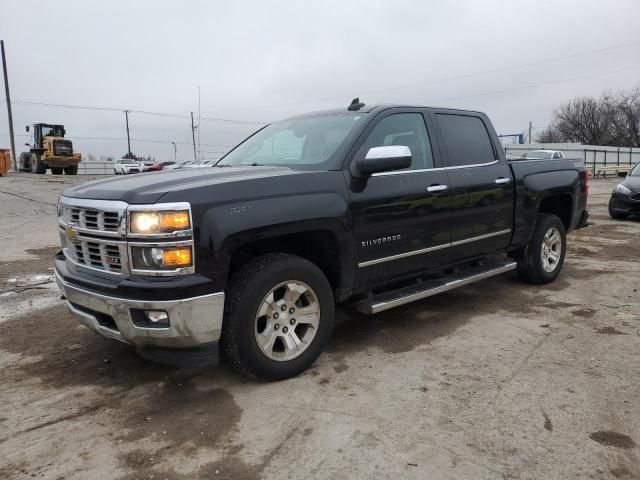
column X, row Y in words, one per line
column 503, row 180
column 437, row 188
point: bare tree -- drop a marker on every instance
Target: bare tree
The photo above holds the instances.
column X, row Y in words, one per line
column 613, row 120
column 550, row 135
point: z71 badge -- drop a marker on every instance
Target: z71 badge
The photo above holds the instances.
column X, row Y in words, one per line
column 381, row 240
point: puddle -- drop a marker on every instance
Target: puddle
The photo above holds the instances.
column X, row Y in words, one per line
column 613, row 439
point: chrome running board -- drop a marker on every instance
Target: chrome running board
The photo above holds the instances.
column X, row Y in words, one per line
column 418, row 291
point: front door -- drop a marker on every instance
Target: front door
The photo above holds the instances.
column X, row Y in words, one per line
column 400, row 218
column 481, row 187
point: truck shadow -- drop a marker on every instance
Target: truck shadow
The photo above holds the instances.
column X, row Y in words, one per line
column 60, row 352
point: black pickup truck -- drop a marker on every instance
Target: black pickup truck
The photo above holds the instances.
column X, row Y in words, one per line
column 378, row 206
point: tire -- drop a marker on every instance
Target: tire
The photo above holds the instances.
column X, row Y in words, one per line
column 615, row 215
column 37, row 165
column 71, row 170
column 25, row 162
column 57, row 170
column 532, row 267
column 281, row 277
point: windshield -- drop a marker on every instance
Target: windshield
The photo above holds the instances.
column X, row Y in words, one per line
column 539, row 154
column 301, row 143
column 52, row 131
column 127, row 161
column 636, row 171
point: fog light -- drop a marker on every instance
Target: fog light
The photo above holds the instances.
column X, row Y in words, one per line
column 157, row 316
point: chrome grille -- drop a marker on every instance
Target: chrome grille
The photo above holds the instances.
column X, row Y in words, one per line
column 93, row 234
column 96, row 254
column 90, row 219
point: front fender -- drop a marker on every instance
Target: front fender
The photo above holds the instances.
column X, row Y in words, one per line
column 225, row 228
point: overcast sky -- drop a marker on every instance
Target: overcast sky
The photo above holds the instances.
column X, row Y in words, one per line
column 261, row 61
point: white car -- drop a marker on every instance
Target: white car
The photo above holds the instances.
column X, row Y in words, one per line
column 125, row 166
column 545, row 154
column 201, row 164
column 146, row 165
column 179, row 165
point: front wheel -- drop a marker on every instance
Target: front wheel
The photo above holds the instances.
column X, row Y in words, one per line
column 279, row 314
column 37, row 165
column 56, row 170
column 543, row 257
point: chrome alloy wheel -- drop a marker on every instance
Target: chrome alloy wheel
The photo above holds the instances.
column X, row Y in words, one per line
column 287, row 320
column 551, row 249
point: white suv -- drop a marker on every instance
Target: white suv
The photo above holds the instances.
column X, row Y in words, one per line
column 125, row 165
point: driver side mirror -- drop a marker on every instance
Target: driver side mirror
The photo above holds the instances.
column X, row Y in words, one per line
column 27, row 128
column 384, row 159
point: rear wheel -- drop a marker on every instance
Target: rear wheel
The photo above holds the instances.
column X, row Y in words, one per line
column 57, row 170
column 37, row 165
column 71, row 170
column 279, row 314
column 543, row 257
column 612, row 212
column 25, row 162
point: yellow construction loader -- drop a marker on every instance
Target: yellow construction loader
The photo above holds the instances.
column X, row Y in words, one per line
column 50, row 150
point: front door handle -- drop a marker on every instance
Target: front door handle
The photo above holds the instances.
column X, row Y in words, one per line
column 437, row 188
column 503, row 180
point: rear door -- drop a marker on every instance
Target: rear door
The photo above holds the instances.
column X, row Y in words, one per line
column 400, row 218
column 481, row 185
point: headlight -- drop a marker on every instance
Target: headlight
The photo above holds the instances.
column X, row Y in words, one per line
column 620, row 188
column 164, row 221
column 161, row 258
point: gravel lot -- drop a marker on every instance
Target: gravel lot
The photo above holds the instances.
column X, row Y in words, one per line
column 495, row 380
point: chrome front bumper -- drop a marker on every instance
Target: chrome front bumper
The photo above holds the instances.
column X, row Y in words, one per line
column 192, row 321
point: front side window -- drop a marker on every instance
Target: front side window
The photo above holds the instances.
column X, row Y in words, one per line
column 467, row 140
column 307, row 141
column 406, row 129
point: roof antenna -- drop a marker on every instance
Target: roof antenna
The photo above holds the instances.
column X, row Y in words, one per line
column 355, row 105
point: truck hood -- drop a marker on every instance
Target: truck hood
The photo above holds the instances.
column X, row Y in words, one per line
column 147, row 188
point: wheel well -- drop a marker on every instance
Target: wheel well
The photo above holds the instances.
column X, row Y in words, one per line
column 559, row 205
column 318, row 246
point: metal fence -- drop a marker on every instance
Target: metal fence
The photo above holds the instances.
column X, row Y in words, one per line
column 594, row 156
column 95, row 168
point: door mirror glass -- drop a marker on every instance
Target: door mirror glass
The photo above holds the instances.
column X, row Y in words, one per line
column 384, row 159
column 27, row 128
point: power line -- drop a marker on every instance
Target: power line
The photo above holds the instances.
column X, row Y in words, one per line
column 118, row 139
column 463, row 76
column 141, row 112
column 524, row 87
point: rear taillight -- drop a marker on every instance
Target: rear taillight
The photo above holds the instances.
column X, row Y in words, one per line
column 584, row 176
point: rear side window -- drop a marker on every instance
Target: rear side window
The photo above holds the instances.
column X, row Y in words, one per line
column 406, row 129
column 466, row 138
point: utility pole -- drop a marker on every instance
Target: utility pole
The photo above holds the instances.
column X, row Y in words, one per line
column 126, row 116
column 193, row 136
column 8, row 97
column 530, row 132
column 199, row 120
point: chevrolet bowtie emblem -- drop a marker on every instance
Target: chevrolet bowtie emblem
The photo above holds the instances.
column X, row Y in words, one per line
column 71, row 232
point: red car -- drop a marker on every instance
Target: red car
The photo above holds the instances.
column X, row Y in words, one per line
column 159, row 166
